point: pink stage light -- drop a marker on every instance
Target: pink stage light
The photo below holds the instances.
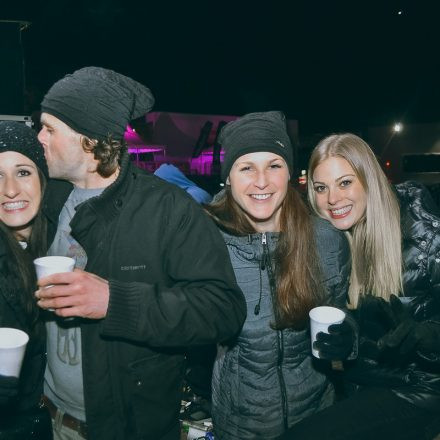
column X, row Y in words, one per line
column 145, row 149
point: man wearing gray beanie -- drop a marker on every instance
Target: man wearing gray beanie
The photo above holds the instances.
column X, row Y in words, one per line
column 152, row 275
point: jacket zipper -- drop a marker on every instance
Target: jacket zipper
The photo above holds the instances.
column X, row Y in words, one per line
column 280, row 334
column 280, row 344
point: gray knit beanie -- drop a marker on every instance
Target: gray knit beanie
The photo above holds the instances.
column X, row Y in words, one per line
column 97, row 102
column 18, row 137
column 254, row 132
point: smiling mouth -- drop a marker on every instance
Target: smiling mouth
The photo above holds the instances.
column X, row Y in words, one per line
column 260, row 196
column 13, row 206
column 340, row 212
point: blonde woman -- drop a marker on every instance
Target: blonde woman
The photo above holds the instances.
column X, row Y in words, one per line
column 394, row 293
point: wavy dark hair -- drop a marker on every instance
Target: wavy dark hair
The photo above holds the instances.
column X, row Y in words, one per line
column 107, row 152
column 19, row 267
column 296, row 262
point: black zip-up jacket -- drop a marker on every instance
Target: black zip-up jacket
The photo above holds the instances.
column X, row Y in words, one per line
column 13, row 314
column 416, row 378
column 171, row 286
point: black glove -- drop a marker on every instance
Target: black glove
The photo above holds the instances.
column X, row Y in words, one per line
column 337, row 345
column 375, row 317
column 409, row 335
column 8, row 388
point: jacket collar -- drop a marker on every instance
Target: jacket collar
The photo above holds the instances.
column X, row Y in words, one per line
column 106, row 205
column 110, row 201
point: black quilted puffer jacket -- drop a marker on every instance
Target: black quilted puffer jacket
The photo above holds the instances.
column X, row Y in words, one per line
column 415, row 378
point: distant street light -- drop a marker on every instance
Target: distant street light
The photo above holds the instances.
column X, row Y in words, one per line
column 397, row 127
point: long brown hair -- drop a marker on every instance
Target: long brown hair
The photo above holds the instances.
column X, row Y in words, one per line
column 19, row 262
column 296, row 263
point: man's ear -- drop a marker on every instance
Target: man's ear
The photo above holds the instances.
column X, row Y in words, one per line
column 88, row 144
column 227, row 181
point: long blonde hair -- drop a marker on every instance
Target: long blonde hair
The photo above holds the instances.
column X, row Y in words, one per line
column 375, row 241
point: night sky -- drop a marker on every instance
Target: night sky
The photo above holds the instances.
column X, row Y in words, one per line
column 332, row 65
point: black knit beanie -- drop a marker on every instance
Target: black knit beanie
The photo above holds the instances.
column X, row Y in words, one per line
column 18, row 137
column 97, row 102
column 254, row 132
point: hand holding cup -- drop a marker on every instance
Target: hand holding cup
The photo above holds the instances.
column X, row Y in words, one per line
column 332, row 336
column 73, row 294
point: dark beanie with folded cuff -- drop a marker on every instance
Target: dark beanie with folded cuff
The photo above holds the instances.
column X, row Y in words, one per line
column 97, row 102
column 17, row 136
column 255, row 132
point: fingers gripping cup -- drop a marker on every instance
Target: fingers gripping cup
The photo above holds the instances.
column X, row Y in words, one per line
column 320, row 320
column 45, row 266
column 12, row 348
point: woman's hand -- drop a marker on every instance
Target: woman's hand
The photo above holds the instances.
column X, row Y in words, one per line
column 337, row 345
column 409, row 335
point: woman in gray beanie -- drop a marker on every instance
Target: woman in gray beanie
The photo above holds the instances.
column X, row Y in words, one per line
column 23, row 173
column 265, row 380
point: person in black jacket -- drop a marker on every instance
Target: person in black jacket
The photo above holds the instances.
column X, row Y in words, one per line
column 156, row 280
column 394, row 294
column 23, row 174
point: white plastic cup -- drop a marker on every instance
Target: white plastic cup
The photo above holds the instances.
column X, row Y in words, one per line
column 12, row 348
column 45, row 266
column 320, row 320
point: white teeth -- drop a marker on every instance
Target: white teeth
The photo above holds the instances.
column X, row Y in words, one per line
column 260, row 196
column 341, row 211
column 14, row 205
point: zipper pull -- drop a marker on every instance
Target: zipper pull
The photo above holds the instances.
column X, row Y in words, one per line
column 263, row 258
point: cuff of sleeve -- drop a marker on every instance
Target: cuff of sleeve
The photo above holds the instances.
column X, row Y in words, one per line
column 123, row 310
column 355, row 349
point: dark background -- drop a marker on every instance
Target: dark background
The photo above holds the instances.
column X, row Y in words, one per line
column 332, row 65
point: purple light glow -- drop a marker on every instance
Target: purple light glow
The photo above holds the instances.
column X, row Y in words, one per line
column 203, row 163
column 160, row 154
column 147, row 149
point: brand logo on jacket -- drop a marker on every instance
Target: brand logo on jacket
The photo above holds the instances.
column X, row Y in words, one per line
column 134, row 267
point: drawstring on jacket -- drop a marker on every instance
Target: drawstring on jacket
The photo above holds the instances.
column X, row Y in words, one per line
column 262, row 267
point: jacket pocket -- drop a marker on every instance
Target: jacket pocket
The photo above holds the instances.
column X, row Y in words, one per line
column 155, row 386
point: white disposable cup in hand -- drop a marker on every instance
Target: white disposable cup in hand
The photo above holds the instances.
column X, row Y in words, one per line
column 320, row 320
column 12, row 348
column 45, row 266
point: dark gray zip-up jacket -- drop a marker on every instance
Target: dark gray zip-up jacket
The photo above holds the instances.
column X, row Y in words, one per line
column 268, row 380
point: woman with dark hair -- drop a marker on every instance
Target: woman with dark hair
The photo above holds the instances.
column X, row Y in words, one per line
column 394, row 235
column 285, row 263
column 23, row 173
